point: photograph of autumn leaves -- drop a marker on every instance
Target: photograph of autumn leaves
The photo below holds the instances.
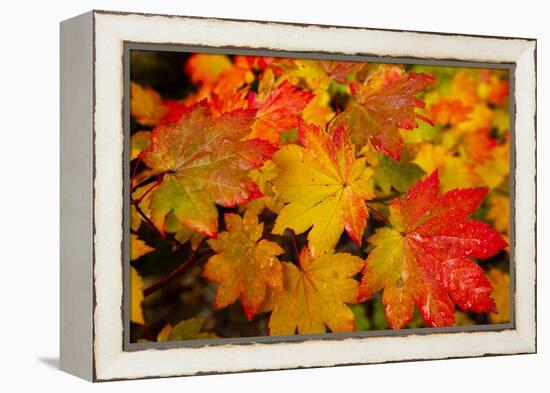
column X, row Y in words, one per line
column 275, row 196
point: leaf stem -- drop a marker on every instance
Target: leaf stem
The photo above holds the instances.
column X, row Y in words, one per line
column 144, row 181
column 293, row 237
column 134, row 172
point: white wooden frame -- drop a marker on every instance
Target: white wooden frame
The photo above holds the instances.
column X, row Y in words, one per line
column 92, row 146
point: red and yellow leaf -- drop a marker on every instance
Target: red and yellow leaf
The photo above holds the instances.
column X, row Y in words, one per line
column 278, row 112
column 315, row 294
column 449, row 112
column 146, row 105
column 479, row 145
column 424, row 259
column 387, row 103
column 325, row 188
column 244, row 265
column 139, row 142
column 207, row 68
column 204, row 161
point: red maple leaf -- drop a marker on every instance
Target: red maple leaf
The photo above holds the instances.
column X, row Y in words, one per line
column 387, row 103
column 424, row 259
column 278, row 112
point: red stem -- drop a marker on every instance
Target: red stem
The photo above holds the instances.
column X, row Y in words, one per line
column 293, row 237
column 383, row 217
column 134, row 172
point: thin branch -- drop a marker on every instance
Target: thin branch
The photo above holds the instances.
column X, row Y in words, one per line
column 176, row 272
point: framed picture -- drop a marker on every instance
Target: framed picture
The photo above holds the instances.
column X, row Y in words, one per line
column 244, row 195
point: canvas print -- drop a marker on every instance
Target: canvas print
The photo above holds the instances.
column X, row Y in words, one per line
column 277, row 196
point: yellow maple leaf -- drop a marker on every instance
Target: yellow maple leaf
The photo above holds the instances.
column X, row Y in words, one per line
column 315, row 295
column 496, row 169
column 207, row 68
column 499, row 213
column 318, row 111
column 139, row 142
column 263, row 178
column 481, row 116
column 454, row 171
column 457, row 173
column 324, row 187
column 136, row 296
column 189, row 329
column 501, row 294
column 146, row 105
column 138, row 247
column 464, row 87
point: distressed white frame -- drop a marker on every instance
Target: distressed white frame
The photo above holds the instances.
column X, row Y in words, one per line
column 110, row 361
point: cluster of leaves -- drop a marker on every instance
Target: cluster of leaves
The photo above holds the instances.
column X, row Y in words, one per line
column 392, row 179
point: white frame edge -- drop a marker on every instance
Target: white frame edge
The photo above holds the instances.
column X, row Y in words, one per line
column 111, row 30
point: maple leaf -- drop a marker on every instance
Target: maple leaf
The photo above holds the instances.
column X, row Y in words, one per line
column 207, row 68
column 387, row 103
column 318, row 111
column 399, row 175
column 499, row 213
column 325, row 188
column 316, row 74
column 315, row 295
column 501, row 284
column 136, row 296
column 146, row 105
column 341, row 70
column 479, row 145
column 204, row 161
column 454, row 171
column 138, row 247
column 492, row 88
column 480, row 117
column 302, row 72
column 450, row 112
column 424, row 258
column 244, row 265
column 278, row 112
column 189, row 329
column 228, row 102
column 233, row 79
column 182, row 233
column 139, row 142
column 263, row 178
column 496, row 169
